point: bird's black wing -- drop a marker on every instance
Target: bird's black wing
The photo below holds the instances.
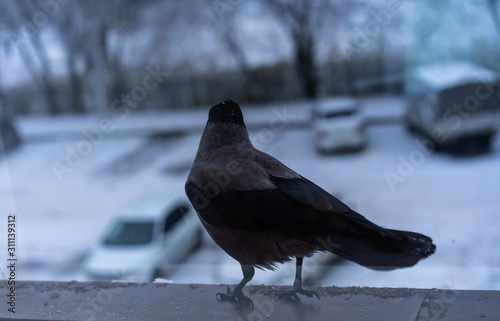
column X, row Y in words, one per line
column 325, row 205
column 306, row 192
column 254, row 210
column 350, row 235
column 302, row 210
column 354, row 237
column 296, row 205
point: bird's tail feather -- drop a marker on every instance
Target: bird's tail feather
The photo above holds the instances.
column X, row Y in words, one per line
column 384, row 249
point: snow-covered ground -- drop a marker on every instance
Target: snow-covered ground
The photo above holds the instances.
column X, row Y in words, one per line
column 64, row 189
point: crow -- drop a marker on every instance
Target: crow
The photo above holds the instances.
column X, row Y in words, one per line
column 261, row 212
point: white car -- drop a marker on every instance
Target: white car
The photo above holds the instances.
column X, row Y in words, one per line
column 338, row 125
column 146, row 241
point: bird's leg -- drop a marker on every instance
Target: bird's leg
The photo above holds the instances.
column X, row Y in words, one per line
column 237, row 295
column 297, row 287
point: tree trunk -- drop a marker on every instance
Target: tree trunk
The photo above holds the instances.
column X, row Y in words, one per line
column 305, row 64
column 39, row 78
column 254, row 86
column 46, row 76
column 495, row 14
column 77, row 105
column 298, row 16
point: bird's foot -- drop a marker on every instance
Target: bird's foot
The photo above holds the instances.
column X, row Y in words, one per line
column 291, row 295
column 236, row 297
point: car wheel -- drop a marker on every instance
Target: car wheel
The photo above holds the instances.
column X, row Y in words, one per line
column 324, row 152
column 9, row 135
column 410, row 128
column 199, row 240
column 157, row 274
column 474, row 145
column 484, row 142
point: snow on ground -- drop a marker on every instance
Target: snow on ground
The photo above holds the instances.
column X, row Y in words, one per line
column 61, row 217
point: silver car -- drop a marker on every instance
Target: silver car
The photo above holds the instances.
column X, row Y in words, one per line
column 338, row 125
column 146, row 241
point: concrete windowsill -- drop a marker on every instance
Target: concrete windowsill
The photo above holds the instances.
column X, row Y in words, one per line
column 160, row 301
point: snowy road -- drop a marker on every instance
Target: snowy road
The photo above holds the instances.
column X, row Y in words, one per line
column 395, row 182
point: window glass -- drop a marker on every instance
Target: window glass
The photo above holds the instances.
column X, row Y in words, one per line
column 104, row 102
column 129, row 233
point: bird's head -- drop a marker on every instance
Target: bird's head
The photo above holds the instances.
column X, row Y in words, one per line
column 227, row 112
column 225, row 127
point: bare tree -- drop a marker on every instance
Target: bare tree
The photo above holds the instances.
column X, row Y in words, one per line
column 226, row 27
column 25, row 38
column 495, row 13
column 71, row 30
column 301, row 19
column 96, row 65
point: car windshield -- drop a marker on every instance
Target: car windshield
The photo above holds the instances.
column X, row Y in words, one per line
column 339, row 114
column 477, row 97
column 129, row 233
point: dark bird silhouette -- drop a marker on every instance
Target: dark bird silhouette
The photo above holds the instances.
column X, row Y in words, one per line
column 261, row 212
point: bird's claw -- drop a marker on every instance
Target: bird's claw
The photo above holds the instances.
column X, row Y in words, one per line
column 283, row 296
column 236, row 297
column 224, row 296
column 309, row 294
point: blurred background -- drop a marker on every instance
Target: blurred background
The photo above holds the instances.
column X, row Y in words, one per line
column 392, row 106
